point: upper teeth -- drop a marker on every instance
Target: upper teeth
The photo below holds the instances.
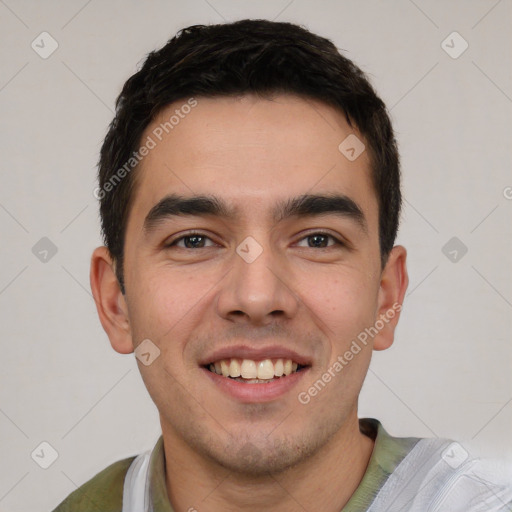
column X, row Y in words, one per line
column 249, row 369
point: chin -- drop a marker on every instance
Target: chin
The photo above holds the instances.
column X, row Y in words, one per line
column 261, row 457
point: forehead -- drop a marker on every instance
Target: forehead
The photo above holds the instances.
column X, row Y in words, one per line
column 251, row 151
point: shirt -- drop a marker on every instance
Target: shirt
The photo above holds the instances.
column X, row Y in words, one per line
column 406, row 474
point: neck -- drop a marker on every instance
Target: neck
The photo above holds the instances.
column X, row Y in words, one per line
column 325, row 481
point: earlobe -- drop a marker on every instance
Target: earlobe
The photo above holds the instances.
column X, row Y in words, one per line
column 393, row 285
column 110, row 302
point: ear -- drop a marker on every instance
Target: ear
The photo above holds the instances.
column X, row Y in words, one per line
column 110, row 302
column 393, row 285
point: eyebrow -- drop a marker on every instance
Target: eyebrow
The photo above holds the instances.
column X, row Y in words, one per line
column 306, row 205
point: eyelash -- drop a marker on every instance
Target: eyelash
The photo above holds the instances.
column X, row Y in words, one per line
column 337, row 241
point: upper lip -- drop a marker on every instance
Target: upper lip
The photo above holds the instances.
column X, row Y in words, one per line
column 255, row 354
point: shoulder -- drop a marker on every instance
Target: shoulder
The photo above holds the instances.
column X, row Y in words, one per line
column 103, row 492
column 438, row 475
column 477, row 485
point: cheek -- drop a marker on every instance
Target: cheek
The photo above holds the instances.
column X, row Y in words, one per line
column 345, row 303
column 163, row 300
column 166, row 309
column 344, row 299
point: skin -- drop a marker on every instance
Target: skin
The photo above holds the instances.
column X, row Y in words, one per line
column 222, row 453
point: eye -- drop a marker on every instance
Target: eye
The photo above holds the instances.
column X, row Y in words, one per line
column 319, row 240
column 192, row 241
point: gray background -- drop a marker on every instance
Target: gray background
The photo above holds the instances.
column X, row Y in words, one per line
column 448, row 373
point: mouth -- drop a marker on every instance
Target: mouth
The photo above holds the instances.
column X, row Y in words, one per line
column 255, row 375
column 249, row 371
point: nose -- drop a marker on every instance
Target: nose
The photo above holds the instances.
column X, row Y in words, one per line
column 257, row 293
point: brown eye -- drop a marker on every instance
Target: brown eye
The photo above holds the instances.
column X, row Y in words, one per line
column 192, row 241
column 319, row 240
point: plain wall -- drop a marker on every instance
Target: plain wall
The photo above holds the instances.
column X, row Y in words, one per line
column 448, row 373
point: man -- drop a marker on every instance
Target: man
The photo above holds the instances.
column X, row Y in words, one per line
column 250, row 199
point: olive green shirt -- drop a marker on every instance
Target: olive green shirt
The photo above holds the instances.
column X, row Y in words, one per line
column 104, row 492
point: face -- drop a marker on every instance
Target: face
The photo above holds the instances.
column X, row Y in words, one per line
column 251, row 252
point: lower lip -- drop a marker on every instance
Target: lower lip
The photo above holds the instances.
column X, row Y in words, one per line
column 253, row 393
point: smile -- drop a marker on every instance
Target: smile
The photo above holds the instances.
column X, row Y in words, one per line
column 254, row 372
